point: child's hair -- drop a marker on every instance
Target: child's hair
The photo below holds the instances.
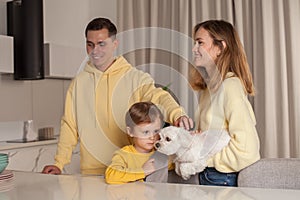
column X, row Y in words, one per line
column 143, row 112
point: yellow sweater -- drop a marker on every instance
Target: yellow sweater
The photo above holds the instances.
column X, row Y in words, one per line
column 126, row 166
column 96, row 103
column 230, row 109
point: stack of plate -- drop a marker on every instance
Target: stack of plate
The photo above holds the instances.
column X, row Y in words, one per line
column 6, row 176
column 6, row 180
column 3, row 161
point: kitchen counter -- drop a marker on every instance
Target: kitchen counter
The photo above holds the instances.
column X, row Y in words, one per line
column 7, row 146
column 29, row 185
column 34, row 156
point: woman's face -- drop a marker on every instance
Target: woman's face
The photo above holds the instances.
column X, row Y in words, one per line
column 204, row 51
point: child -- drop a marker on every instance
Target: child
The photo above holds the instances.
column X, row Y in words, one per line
column 133, row 163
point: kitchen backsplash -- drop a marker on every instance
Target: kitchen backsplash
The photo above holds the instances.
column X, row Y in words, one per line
column 11, row 130
column 39, row 100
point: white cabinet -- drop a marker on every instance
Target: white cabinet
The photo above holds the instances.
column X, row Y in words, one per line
column 34, row 158
column 6, row 54
column 63, row 61
column 59, row 61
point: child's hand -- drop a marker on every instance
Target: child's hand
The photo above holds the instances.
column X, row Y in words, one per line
column 148, row 167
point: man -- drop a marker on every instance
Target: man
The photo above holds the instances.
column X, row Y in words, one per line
column 97, row 100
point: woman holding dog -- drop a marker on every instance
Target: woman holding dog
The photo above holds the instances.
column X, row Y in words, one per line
column 222, row 76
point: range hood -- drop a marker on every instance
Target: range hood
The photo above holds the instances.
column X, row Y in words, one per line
column 25, row 24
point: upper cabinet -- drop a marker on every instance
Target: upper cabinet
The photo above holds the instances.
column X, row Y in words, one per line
column 60, row 61
column 6, row 54
column 63, row 61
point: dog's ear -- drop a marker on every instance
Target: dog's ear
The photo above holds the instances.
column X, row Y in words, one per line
column 185, row 137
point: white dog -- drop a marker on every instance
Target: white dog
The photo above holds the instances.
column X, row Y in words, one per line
column 191, row 150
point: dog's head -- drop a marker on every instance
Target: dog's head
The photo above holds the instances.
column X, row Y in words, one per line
column 171, row 140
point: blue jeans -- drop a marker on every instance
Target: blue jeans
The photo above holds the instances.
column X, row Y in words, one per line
column 210, row 176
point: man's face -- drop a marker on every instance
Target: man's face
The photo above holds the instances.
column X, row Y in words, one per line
column 100, row 48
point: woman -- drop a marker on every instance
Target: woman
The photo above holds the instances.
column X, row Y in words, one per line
column 221, row 74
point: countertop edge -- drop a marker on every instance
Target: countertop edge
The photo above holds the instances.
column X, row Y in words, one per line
column 9, row 146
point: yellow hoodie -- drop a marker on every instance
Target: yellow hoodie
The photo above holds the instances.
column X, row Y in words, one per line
column 229, row 109
column 126, row 166
column 96, row 103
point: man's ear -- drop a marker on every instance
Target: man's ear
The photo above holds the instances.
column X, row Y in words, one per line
column 116, row 43
column 129, row 131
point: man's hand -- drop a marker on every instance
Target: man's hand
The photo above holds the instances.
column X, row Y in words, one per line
column 51, row 169
column 185, row 122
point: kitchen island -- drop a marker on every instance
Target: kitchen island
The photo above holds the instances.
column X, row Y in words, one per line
column 7, row 145
column 33, row 156
column 31, row 186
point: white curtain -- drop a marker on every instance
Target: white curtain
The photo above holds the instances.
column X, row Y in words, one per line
column 271, row 29
column 168, row 55
column 268, row 30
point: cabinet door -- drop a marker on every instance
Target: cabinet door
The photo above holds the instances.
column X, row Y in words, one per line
column 31, row 158
column 35, row 158
column 63, row 61
column 6, row 54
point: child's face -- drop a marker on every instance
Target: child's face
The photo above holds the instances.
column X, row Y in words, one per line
column 145, row 135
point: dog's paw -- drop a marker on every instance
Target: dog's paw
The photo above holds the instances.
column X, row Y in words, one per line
column 186, row 170
column 177, row 169
column 186, row 176
column 182, row 174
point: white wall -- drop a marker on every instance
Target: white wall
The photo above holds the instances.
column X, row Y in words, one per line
column 65, row 20
column 43, row 100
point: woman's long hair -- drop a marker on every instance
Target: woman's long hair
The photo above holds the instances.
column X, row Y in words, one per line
column 231, row 59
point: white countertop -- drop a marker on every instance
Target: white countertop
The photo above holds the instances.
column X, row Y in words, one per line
column 7, row 146
column 31, row 186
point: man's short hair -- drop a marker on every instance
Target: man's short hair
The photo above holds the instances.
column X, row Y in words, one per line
column 101, row 23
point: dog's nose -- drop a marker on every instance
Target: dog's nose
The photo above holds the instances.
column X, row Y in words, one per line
column 157, row 145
